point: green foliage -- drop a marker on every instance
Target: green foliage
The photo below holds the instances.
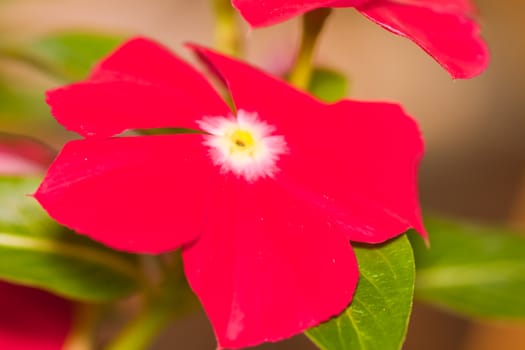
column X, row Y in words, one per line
column 67, row 56
column 34, row 251
column 474, row 271
column 73, row 53
column 328, row 85
column 17, row 102
column 378, row 317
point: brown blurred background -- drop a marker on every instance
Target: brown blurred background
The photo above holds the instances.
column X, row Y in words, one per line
column 474, row 130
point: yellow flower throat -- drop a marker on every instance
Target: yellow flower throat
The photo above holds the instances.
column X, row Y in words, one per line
column 242, row 141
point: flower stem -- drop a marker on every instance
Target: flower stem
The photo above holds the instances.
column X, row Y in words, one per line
column 313, row 23
column 81, row 336
column 226, row 28
column 141, row 332
column 163, row 303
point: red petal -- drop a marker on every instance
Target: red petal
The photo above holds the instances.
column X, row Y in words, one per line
column 268, row 12
column 363, row 160
column 451, row 38
column 140, row 86
column 33, row 319
column 139, row 194
column 442, row 28
column 355, row 161
column 268, row 265
column 450, row 6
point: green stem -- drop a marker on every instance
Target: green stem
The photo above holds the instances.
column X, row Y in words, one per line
column 163, row 303
column 140, row 333
column 226, row 28
column 313, row 23
column 81, row 336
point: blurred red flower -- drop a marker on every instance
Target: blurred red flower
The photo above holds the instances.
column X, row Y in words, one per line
column 263, row 200
column 33, row 319
column 23, row 156
column 445, row 29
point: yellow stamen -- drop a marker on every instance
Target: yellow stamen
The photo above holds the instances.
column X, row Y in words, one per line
column 242, row 139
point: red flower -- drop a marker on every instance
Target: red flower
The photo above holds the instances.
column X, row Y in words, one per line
column 263, row 201
column 22, row 156
column 33, row 319
column 443, row 28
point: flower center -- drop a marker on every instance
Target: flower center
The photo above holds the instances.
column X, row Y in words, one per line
column 243, row 145
column 243, row 139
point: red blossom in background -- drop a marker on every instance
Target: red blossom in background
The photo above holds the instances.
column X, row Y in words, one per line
column 33, row 319
column 23, row 156
column 263, row 201
column 30, row 318
column 445, row 29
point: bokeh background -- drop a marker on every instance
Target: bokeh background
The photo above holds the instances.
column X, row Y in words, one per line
column 474, row 130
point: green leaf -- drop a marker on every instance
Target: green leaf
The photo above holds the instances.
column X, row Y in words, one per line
column 75, row 52
column 328, row 85
column 19, row 102
column 35, row 251
column 378, row 317
column 472, row 270
column 68, row 56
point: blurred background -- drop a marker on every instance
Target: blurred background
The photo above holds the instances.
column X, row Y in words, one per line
column 474, row 130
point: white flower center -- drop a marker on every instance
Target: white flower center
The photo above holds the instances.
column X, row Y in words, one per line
column 243, row 145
